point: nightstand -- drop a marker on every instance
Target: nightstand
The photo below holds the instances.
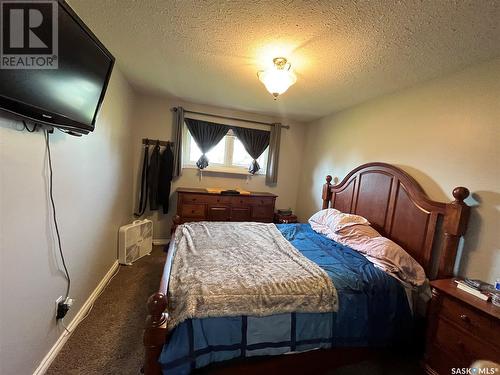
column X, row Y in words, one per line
column 461, row 329
column 285, row 219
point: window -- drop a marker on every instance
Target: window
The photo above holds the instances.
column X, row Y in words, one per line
column 228, row 156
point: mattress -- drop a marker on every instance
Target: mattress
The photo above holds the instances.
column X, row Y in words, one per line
column 373, row 312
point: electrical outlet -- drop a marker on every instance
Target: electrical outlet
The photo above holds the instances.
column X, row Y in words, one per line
column 59, row 300
column 63, row 306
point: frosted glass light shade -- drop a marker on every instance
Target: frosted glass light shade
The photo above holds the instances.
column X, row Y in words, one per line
column 277, row 79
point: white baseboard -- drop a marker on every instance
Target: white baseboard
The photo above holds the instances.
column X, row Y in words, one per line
column 161, row 241
column 52, row 354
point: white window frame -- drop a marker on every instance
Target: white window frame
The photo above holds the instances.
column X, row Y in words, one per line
column 227, row 166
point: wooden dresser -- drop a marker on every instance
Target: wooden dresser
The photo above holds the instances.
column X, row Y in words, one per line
column 199, row 205
column 462, row 328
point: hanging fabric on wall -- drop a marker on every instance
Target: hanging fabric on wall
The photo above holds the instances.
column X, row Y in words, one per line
column 206, row 135
column 255, row 142
column 178, row 123
column 156, row 177
column 165, row 177
column 273, row 155
column 143, row 193
column 153, row 176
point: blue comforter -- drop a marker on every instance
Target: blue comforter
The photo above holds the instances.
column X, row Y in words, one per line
column 373, row 311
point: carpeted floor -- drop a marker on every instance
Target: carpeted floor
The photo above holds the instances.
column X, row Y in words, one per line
column 109, row 340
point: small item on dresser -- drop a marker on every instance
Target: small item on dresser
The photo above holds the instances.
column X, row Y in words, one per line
column 477, row 288
column 285, row 212
column 230, row 192
column 213, row 190
column 285, row 216
column 243, row 192
column 495, row 298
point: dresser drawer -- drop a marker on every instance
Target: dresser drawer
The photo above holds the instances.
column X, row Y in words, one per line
column 263, row 212
column 204, row 198
column 241, row 201
column 263, row 201
column 193, row 210
column 462, row 346
column 240, row 214
column 219, row 213
column 470, row 320
column 191, row 198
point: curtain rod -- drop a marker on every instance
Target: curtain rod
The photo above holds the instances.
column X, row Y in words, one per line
column 231, row 118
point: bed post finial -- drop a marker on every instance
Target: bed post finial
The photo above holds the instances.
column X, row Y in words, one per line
column 155, row 333
column 327, row 193
column 157, row 303
column 460, row 193
column 455, row 225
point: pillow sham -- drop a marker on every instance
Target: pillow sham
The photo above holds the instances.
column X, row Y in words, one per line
column 333, row 220
column 383, row 253
column 355, row 232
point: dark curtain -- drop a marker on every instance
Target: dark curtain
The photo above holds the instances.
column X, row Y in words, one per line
column 255, row 142
column 206, row 135
column 273, row 155
column 177, row 125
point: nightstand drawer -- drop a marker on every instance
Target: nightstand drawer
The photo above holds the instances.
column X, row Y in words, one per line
column 463, row 347
column 472, row 321
column 461, row 329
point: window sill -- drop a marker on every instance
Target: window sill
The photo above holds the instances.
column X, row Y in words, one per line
column 224, row 170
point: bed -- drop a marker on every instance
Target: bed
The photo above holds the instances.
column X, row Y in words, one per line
column 374, row 310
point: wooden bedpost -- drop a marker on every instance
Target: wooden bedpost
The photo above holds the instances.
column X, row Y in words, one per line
column 176, row 221
column 155, row 334
column 327, row 193
column 455, row 225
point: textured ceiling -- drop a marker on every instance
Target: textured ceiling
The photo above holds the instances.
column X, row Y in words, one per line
column 344, row 52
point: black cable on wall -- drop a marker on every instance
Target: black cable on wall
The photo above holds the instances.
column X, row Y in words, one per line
column 54, row 216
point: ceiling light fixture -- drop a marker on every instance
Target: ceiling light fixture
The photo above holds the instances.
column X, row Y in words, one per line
column 278, row 78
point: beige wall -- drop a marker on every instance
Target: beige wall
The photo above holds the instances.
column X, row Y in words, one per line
column 153, row 119
column 92, row 188
column 445, row 133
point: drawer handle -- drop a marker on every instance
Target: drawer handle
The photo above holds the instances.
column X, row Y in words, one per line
column 192, row 211
column 465, row 318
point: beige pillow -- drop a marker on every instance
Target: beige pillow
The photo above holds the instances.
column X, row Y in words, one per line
column 333, row 220
column 383, row 253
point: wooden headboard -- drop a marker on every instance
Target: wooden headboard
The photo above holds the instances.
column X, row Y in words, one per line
column 398, row 208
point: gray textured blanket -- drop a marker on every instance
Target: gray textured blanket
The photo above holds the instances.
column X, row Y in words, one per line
column 231, row 269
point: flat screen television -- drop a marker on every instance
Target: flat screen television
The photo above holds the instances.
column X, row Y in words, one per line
column 66, row 97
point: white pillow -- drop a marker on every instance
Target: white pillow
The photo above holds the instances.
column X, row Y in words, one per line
column 331, row 220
